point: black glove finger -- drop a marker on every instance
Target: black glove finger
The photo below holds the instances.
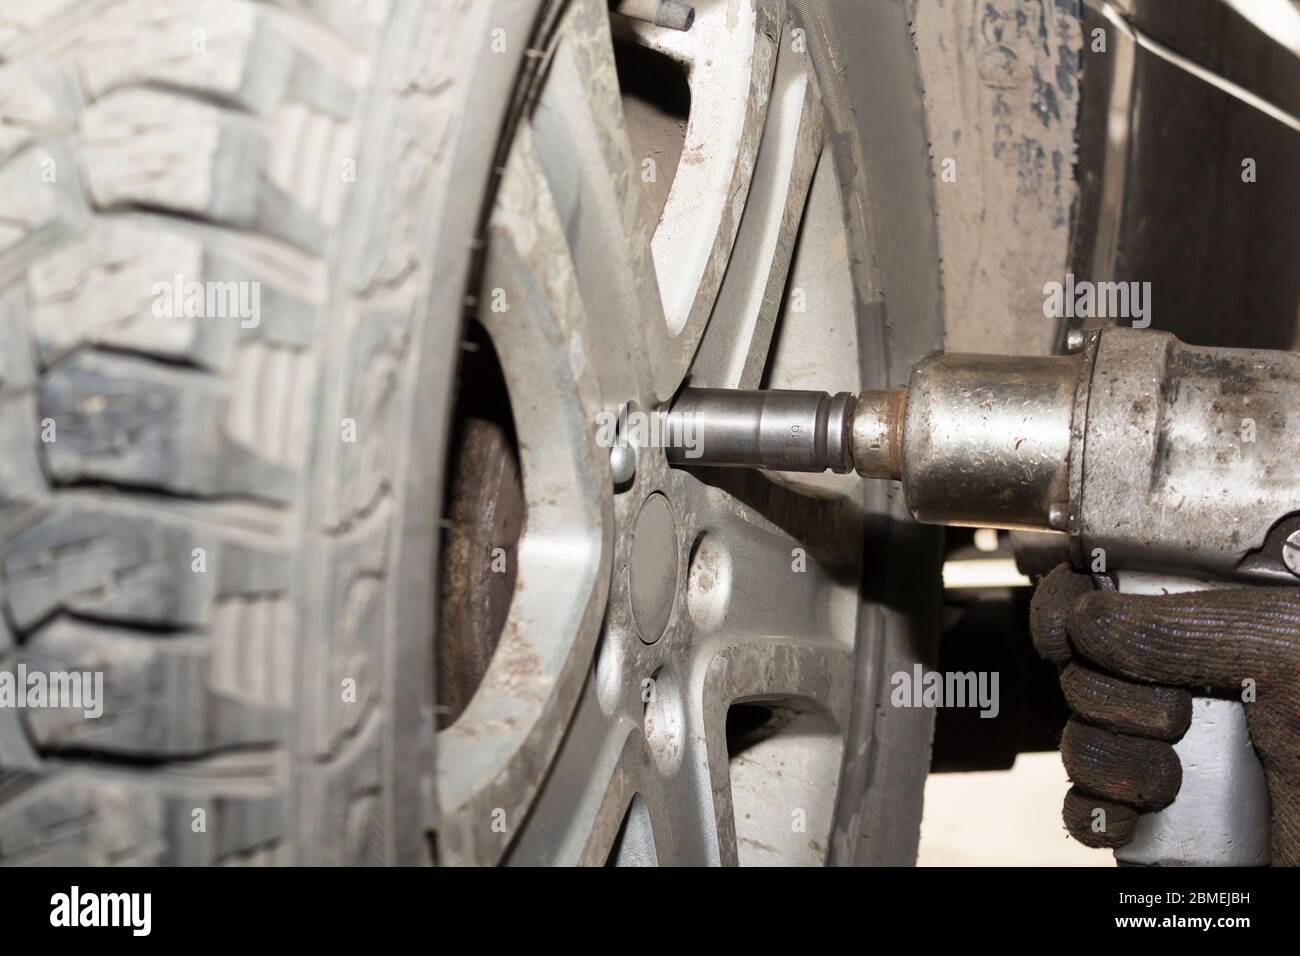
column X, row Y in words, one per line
column 1097, row 823
column 1199, row 638
column 1136, row 771
column 1049, row 611
column 1144, row 710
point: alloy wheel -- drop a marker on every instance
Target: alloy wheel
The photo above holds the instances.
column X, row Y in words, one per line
column 641, row 664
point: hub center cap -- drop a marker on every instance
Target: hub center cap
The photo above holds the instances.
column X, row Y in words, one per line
column 653, row 567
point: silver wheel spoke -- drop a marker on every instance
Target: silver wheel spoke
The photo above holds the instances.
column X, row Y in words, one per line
column 603, row 768
column 488, row 759
column 735, row 345
column 731, row 56
column 771, row 623
column 583, row 147
column 793, row 673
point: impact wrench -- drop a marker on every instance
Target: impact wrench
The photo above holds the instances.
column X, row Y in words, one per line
column 1168, row 466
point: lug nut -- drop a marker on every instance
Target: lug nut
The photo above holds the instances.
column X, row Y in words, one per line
column 622, row 463
column 1291, row 553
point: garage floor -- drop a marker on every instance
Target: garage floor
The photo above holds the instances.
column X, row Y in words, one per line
column 1002, row 818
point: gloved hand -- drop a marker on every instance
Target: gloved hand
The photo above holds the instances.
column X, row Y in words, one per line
column 1126, row 660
